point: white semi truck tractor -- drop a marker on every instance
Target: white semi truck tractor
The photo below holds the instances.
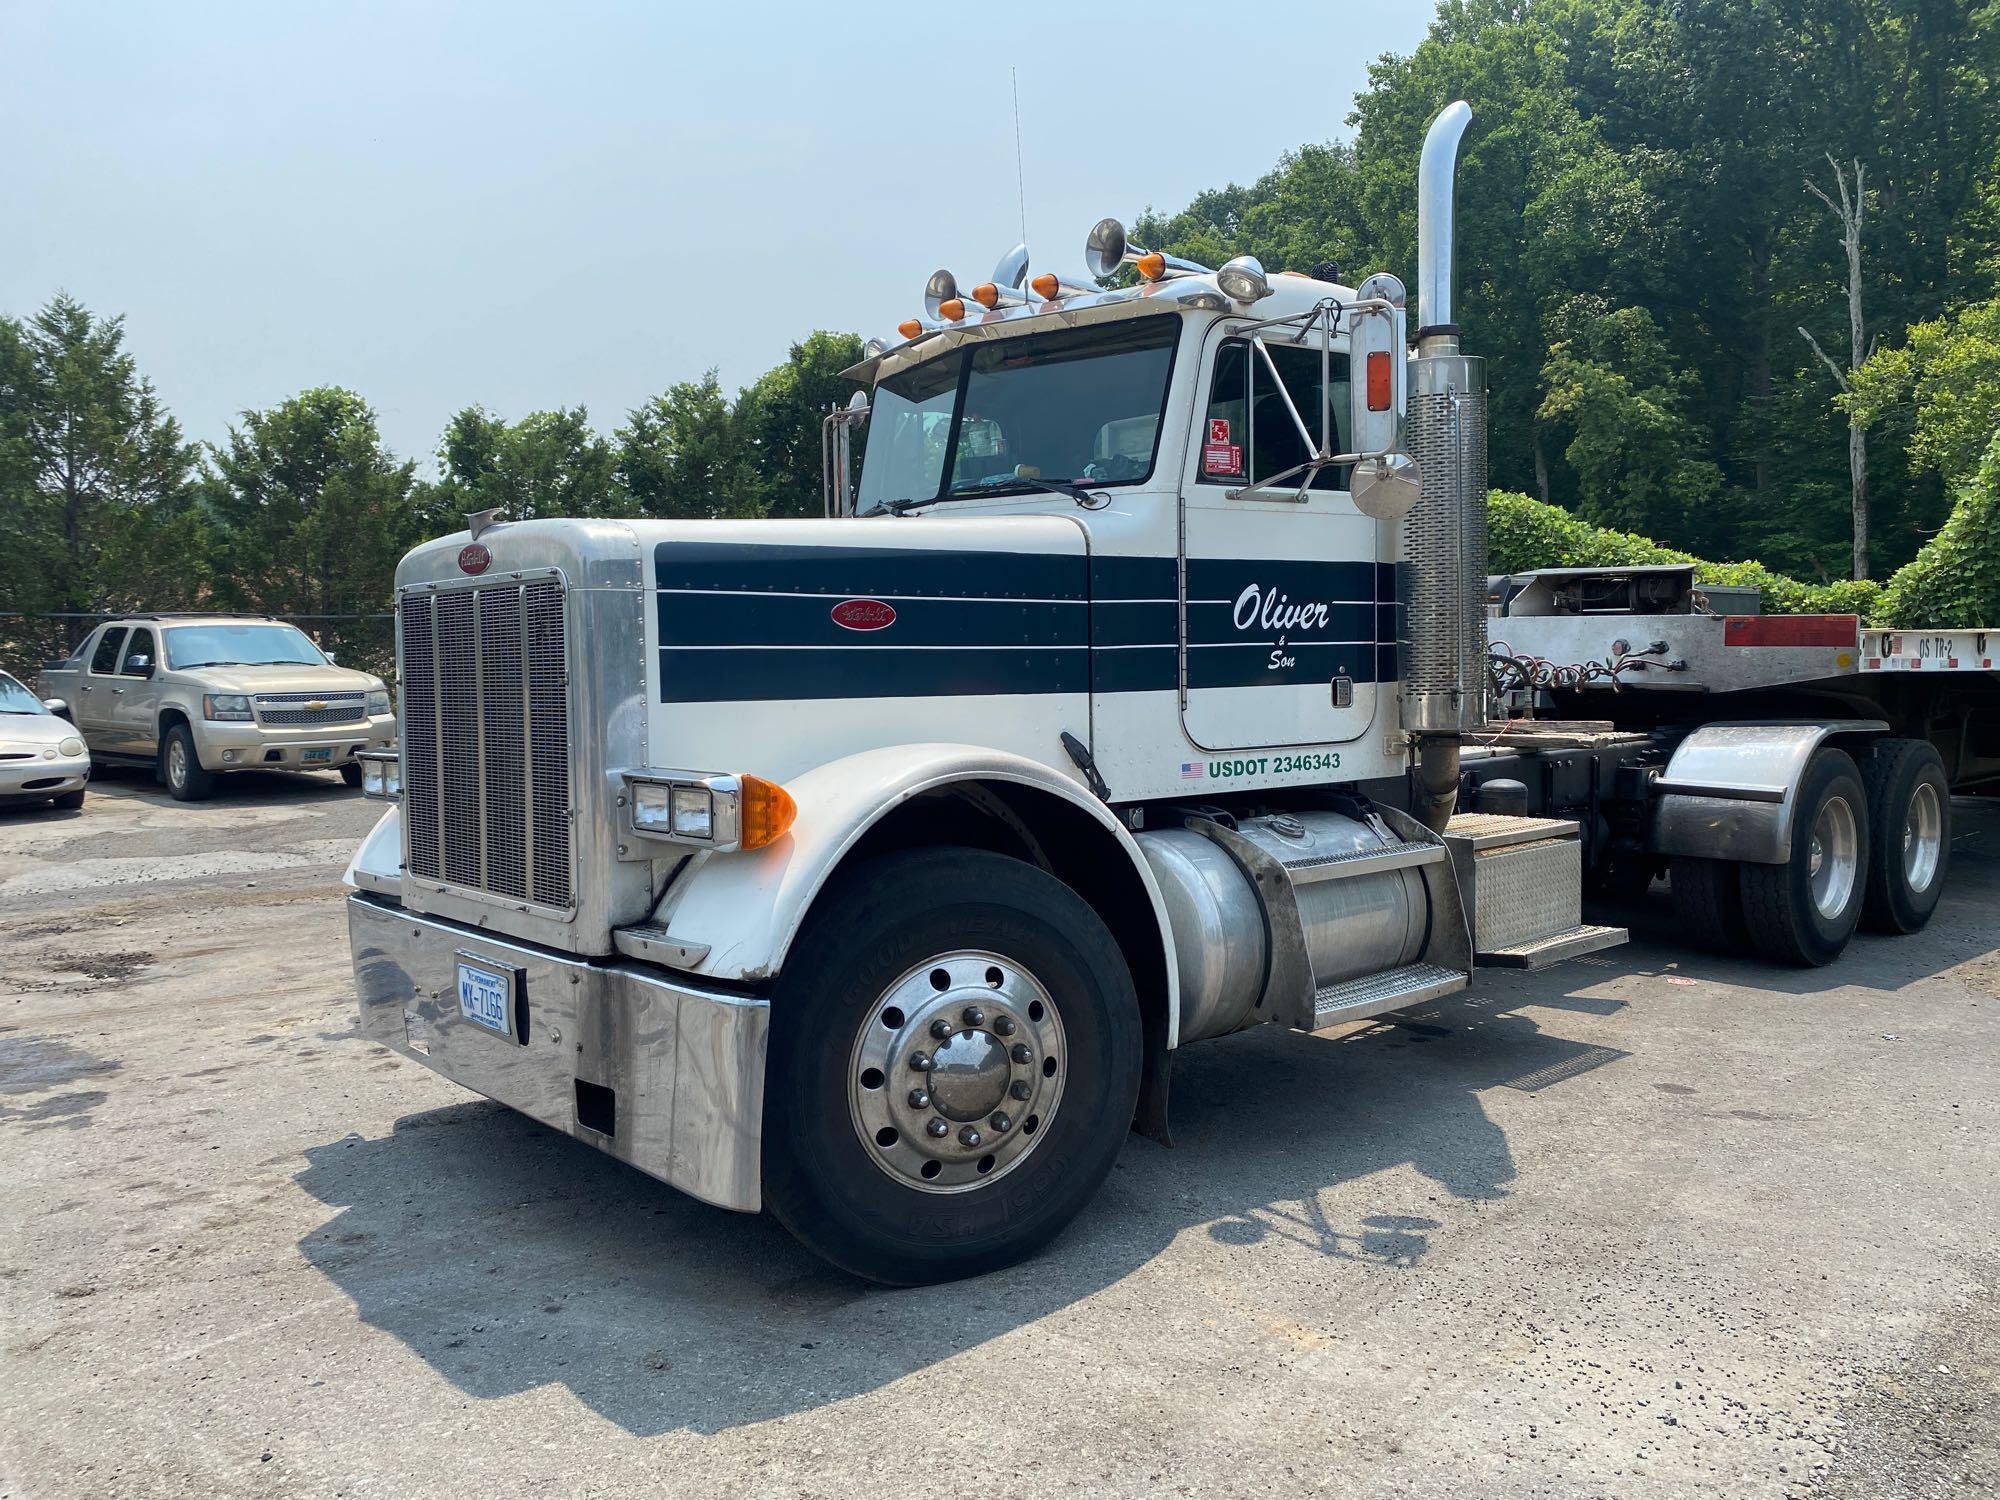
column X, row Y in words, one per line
column 871, row 869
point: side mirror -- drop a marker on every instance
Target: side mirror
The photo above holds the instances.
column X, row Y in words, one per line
column 139, row 666
column 1385, row 488
column 57, row 706
column 328, row 655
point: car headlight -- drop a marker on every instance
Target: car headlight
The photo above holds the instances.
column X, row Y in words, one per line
column 71, row 746
column 226, row 708
column 378, row 703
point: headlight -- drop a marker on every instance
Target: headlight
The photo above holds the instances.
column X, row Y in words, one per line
column 721, row 812
column 226, row 708
column 381, row 774
column 71, row 746
column 378, row 703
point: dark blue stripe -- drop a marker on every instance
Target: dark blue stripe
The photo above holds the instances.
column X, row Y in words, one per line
column 1152, row 669
column 1253, row 666
column 871, row 672
column 1115, row 623
column 868, row 571
column 720, row 619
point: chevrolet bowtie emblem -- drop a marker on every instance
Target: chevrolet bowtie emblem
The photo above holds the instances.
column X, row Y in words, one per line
column 317, row 703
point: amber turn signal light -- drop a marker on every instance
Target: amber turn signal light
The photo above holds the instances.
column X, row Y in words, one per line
column 767, row 812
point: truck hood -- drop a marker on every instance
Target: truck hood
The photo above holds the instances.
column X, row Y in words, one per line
column 282, row 679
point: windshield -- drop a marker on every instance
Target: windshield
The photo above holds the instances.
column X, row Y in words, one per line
column 260, row 645
column 15, row 699
column 1081, row 406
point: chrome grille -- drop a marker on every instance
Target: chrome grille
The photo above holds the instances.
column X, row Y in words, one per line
column 485, row 737
column 291, row 710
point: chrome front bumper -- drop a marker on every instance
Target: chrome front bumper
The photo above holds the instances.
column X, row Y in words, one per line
column 671, row 1076
column 283, row 747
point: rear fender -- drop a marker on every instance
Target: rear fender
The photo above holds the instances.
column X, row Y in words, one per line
column 1730, row 790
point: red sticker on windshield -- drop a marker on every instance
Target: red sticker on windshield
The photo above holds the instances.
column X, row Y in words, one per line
column 1218, row 429
column 1222, row 458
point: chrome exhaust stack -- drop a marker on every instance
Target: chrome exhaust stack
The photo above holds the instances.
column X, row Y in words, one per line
column 1442, row 541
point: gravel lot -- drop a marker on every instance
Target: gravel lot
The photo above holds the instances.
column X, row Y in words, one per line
column 1645, row 1224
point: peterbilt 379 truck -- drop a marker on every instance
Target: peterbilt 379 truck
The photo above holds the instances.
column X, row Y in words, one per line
column 1148, row 686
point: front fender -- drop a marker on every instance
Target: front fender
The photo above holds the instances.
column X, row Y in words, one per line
column 378, row 864
column 747, row 908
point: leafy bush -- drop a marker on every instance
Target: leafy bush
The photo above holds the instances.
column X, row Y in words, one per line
column 1955, row 581
column 1528, row 534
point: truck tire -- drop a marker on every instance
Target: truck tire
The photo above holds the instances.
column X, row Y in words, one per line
column 180, row 768
column 1909, row 818
column 1708, row 904
column 954, row 1062
column 1804, row 911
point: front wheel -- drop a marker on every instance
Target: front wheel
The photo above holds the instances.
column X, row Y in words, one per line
column 1805, row 910
column 954, row 1062
column 351, row 773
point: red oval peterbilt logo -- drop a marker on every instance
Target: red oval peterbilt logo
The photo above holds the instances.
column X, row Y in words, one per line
column 473, row 557
column 863, row 614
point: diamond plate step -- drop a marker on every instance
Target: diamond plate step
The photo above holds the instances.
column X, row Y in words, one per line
column 1398, row 856
column 1553, row 949
column 1373, row 994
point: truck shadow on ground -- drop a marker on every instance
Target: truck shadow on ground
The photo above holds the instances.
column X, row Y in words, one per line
column 508, row 1256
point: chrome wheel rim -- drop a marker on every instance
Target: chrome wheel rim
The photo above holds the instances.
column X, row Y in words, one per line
column 1832, row 860
column 177, row 763
column 1923, row 837
column 956, row 1072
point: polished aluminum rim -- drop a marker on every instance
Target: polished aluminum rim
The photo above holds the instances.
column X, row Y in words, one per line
column 177, row 762
column 1834, row 857
column 1923, row 837
column 957, row 1072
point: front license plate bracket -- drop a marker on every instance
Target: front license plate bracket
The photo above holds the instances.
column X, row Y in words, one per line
column 493, row 996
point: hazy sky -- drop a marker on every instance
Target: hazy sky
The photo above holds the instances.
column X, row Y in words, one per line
column 530, row 206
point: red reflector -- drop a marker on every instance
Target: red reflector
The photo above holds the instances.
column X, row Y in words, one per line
column 1378, row 381
column 1791, row 630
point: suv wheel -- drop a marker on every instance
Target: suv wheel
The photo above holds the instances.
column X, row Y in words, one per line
column 180, row 768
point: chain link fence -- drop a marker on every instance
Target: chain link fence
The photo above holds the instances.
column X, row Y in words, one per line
column 29, row 642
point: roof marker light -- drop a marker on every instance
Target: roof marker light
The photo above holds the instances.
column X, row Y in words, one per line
column 987, row 295
column 1047, row 286
column 1151, row 266
column 909, row 328
column 951, row 309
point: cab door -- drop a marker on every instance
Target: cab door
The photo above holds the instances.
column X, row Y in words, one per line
column 135, row 697
column 1284, row 603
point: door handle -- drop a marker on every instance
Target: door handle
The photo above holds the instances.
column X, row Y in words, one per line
column 119, row 691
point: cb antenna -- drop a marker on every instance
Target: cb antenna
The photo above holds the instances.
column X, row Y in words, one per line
column 1020, row 170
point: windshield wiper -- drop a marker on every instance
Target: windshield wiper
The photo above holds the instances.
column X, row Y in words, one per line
column 1061, row 487
column 190, row 666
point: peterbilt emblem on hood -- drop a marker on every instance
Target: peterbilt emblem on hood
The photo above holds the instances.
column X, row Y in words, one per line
column 473, row 557
column 863, row 614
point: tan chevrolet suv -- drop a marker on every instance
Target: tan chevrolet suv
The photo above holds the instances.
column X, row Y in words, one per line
column 195, row 695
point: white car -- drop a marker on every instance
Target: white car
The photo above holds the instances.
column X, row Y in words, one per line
column 42, row 757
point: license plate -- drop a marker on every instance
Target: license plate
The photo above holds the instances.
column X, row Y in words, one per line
column 316, row 757
column 486, row 998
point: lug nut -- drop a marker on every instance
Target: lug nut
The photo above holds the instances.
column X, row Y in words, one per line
column 1022, row 1053
column 921, row 1061
column 1020, row 1088
column 920, row 1098
column 938, row 1128
column 972, row 1015
column 940, row 1028
column 969, row 1136
column 1003, row 1025
column 1001, row 1123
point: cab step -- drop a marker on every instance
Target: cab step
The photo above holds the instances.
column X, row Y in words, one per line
column 1553, row 949
column 1375, row 994
column 1403, row 855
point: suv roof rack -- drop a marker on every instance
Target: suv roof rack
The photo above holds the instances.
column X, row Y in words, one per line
column 194, row 614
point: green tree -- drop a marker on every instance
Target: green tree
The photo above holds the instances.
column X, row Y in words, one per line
column 550, row 463
column 1943, row 382
column 312, row 511
column 779, row 417
column 685, row 453
column 95, row 499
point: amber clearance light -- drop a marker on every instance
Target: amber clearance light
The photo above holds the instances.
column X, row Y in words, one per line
column 1046, row 286
column 987, row 295
column 909, row 328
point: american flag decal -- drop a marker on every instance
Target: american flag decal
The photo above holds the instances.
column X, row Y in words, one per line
column 1191, row 770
